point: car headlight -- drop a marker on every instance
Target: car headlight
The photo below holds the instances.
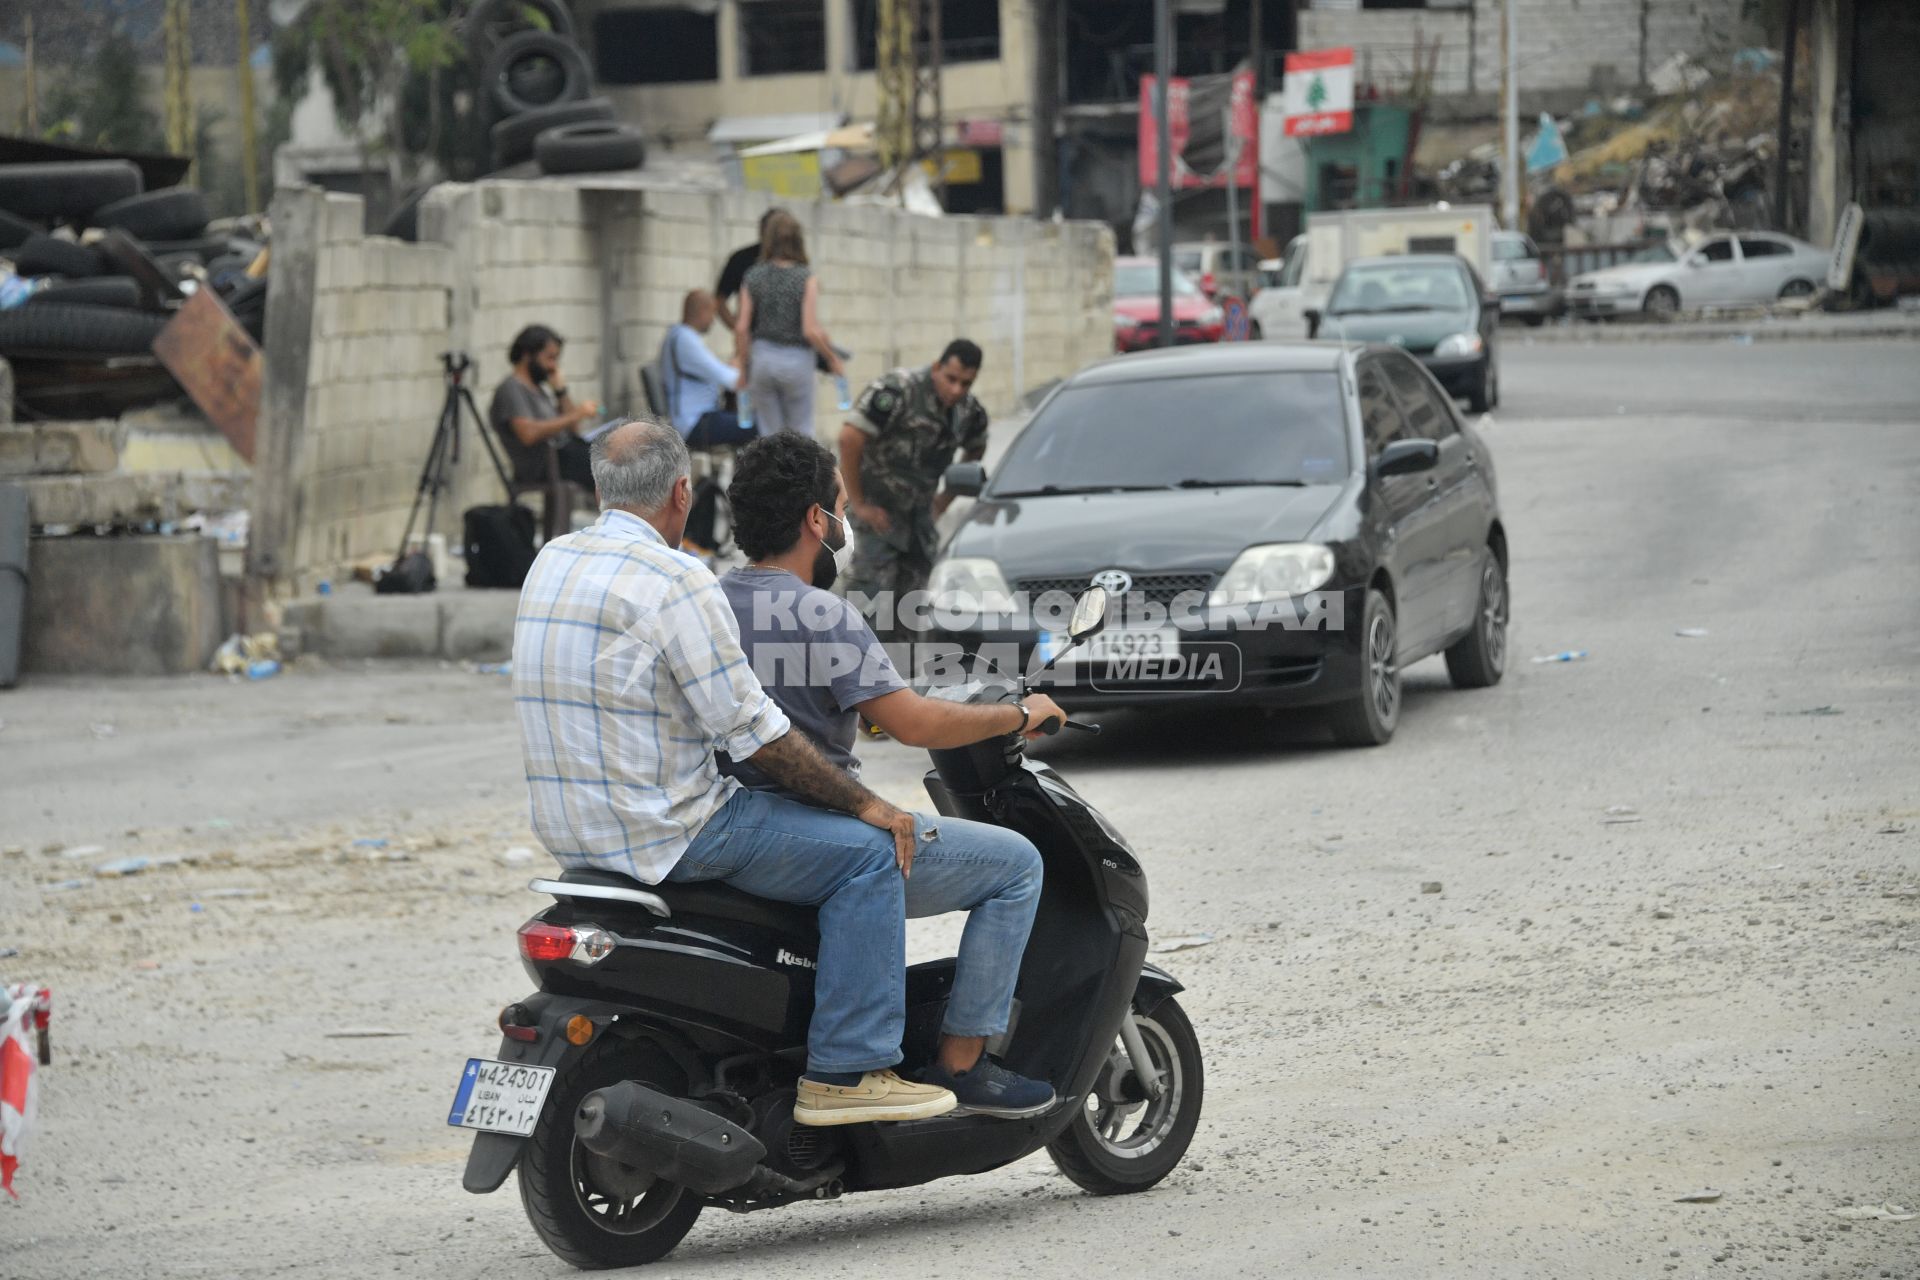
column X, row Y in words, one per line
column 1459, row 344
column 969, row 584
column 1121, row 320
column 1274, row 572
column 1212, row 316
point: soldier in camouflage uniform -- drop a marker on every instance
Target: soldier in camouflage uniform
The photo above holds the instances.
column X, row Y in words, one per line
column 893, row 450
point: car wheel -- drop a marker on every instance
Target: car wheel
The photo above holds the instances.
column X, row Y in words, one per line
column 1254, row 333
column 1483, row 394
column 1796, row 289
column 1662, row 303
column 1369, row 719
column 1478, row 659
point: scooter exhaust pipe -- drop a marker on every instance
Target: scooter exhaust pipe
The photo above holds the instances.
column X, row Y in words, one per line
column 671, row 1138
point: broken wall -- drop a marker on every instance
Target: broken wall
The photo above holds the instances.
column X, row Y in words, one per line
column 356, row 323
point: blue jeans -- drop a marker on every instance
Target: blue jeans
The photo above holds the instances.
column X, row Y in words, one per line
column 780, row 380
column 773, row 847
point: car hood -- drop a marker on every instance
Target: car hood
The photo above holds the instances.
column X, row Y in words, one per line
column 1149, row 308
column 1177, row 529
column 1417, row 331
column 1636, row 275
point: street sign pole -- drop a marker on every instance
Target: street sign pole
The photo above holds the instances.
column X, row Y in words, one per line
column 1163, row 177
column 1233, row 172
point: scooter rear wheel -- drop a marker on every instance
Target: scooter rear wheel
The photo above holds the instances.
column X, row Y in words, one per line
column 591, row 1211
column 1123, row 1141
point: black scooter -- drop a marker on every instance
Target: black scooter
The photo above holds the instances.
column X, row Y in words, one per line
column 652, row 1074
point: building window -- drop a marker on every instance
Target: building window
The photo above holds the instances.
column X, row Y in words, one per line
column 969, row 32
column 656, row 46
column 782, row 36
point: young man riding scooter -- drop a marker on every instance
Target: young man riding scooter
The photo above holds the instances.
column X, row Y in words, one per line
column 822, row 665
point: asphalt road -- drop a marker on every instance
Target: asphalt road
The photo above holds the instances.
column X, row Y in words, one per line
column 1674, row 949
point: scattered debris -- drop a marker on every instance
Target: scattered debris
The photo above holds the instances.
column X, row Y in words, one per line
column 1828, row 710
column 517, row 856
column 1893, row 829
column 370, row 842
column 14, row 850
column 1182, row 942
column 1691, row 633
column 123, row 867
column 256, row 656
column 62, row 885
column 1901, row 893
column 85, row 851
column 1430, row 886
column 490, row 668
column 364, row 1033
column 1618, row 814
column 1663, row 913
column 1565, row 655
column 1699, row 1197
column 1868, row 1212
column 7, row 953
column 233, row 893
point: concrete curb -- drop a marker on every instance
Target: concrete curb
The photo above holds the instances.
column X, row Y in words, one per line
column 1760, row 329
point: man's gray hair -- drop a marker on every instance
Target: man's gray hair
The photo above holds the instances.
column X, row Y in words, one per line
column 636, row 463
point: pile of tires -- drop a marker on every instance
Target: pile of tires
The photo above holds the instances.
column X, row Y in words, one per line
column 105, row 262
column 538, row 84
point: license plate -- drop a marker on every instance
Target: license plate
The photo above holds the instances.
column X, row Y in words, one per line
column 1109, row 646
column 500, row 1097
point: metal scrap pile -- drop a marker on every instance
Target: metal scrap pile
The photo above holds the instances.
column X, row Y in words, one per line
column 1697, row 157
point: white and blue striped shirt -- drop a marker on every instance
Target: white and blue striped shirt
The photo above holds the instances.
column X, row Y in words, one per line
column 627, row 675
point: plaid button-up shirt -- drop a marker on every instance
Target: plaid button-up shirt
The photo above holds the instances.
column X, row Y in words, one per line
column 627, row 675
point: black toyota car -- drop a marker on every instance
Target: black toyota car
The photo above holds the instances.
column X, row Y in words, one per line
column 1287, row 525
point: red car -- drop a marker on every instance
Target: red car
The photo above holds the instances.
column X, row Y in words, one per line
column 1136, row 308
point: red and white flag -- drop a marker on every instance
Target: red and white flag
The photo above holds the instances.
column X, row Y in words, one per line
column 23, row 1011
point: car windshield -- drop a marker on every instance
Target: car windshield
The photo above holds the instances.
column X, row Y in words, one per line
column 1226, row 428
column 1142, row 280
column 1510, row 249
column 1391, row 287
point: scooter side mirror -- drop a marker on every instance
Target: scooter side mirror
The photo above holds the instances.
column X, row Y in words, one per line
column 1089, row 615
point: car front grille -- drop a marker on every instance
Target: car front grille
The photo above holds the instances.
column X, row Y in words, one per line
column 1159, row 588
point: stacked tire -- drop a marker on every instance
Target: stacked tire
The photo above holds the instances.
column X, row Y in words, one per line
column 106, row 262
column 540, row 88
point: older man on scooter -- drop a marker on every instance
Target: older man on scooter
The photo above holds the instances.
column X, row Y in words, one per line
column 627, row 676
column 823, row 666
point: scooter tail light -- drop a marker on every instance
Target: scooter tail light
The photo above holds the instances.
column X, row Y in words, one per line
column 545, row 943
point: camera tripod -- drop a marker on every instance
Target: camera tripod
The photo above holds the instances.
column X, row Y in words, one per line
column 443, row 456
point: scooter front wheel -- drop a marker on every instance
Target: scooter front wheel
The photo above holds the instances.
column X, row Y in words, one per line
column 590, row 1210
column 1124, row 1140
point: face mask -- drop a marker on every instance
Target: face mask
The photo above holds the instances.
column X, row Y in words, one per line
column 832, row 560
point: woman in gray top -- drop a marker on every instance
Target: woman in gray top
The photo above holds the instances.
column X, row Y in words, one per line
column 779, row 330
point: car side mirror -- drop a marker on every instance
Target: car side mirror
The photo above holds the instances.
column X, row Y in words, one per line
column 966, row 479
column 1404, row 457
column 1695, row 261
column 1312, row 316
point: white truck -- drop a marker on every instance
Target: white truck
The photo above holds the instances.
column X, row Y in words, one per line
column 1314, row 259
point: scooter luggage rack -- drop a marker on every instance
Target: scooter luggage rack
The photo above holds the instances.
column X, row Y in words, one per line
column 603, row 892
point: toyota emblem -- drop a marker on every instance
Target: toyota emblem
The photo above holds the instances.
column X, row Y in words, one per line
column 1115, row 582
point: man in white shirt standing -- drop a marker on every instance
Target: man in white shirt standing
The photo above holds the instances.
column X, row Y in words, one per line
column 695, row 379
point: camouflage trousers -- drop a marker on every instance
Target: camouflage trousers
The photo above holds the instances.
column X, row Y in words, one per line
column 881, row 567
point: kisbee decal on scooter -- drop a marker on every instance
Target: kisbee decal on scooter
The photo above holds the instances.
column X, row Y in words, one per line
column 675, row 1054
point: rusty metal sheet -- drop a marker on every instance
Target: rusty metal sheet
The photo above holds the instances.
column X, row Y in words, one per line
column 217, row 364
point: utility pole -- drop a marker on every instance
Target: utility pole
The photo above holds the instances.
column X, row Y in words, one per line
column 1509, row 120
column 1163, row 157
column 30, row 110
column 1046, row 106
column 249, row 144
column 179, row 93
column 1783, row 207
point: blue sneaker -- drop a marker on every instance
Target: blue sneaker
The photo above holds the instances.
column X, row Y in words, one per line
column 989, row 1089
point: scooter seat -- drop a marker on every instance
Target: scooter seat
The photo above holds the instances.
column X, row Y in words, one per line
column 714, row 900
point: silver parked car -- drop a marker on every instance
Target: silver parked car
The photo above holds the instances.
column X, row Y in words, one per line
column 1520, row 278
column 1730, row 269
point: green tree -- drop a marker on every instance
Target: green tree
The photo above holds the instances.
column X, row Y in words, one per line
column 368, row 53
column 103, row 103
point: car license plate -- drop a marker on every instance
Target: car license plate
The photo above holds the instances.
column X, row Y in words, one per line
column 500, row 1097
column 1109, row 646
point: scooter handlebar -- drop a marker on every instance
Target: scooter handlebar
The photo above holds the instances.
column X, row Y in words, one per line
column 1053, row 724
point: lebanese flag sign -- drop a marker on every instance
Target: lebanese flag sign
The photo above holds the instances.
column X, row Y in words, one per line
column 23, row 1010
column 1318, row 92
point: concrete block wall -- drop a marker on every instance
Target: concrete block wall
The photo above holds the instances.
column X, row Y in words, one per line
column 1565, row 45
column 607, row 269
